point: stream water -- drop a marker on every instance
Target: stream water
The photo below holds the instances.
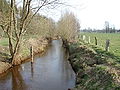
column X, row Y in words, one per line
column 49, row 72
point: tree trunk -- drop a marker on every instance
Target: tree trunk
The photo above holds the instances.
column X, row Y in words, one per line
column 16, row 50
column 11, row 47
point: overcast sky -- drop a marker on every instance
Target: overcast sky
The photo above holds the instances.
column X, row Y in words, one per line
column 92, row 13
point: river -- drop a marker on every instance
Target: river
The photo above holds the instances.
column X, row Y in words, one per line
column 49, row 72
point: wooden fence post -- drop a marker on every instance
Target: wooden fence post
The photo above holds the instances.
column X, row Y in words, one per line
column 95, row 41
column 31, row 54
column 107, row 45
column 89, row 39
column 84, row 37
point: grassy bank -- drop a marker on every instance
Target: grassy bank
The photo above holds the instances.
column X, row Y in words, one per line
column 101, row 37
column 39, row 46
column 95, row 68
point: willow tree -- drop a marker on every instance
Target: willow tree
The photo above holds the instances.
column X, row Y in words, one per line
column 14, row 29
column 68, row 26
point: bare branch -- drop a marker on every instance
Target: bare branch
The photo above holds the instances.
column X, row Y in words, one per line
column 45, row 3
column 28, row 9
column 2, row 28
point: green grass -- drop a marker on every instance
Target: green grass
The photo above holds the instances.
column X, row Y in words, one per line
column 96, row 69
column 4, row 42
column 102, row 37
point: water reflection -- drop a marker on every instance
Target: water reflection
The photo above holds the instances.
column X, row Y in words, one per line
column 32, row 70
column 17, row 80
column 49, row 72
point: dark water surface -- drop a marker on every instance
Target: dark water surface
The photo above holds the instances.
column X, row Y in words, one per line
column 49, row 72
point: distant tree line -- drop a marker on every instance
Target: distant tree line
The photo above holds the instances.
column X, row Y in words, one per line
column 99, row 30
column 107, row 29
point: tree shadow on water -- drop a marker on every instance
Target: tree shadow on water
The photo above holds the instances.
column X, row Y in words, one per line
column 17, row 79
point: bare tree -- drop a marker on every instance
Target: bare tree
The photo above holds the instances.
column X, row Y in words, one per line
column 15, row 30
column 68, row 26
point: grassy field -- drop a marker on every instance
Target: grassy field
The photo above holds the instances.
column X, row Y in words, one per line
column 95, row 68
column 102, row 37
